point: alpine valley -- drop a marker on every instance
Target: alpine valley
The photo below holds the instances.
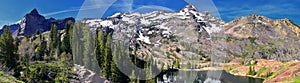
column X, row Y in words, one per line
column 50, row 50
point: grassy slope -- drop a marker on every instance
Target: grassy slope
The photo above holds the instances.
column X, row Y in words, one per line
column 285, row 73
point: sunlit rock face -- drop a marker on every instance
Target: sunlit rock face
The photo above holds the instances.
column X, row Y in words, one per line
column 261, row 37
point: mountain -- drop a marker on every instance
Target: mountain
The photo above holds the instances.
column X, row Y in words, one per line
column 185, row 39
column 33, row 21
column 186, row 34
column 159, row 33
column 13, row 27
column 262, row 37
column 199, row 35
column 262, row 27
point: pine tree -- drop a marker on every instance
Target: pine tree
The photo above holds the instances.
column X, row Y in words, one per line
column 77, row 43
column 176, row 63
column 8, row 49
column 133, row 77
column 88, row 57
column 66, row 44
column 99, row 48
column 114, row 70
column 53, row 39
column 41, row 50
column 148, row 73
column 23, row 51
column 37, row 32
column 251, row 70
column 107, row 57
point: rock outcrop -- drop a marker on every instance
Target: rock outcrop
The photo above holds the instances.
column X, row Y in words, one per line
column 86, row 76
column 33, row 21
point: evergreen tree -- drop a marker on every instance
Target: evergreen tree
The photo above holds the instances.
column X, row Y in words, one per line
column 116, row 75
column 66, row 42
column 37, row 32
column 133, row 77
column 114, row 70
column 99, row 48
column 176, row 63
column 107, row 57
column 54, row 40
column 23, row 51
column 251, row 70
column 148, row 73
column 77, row 43
column 89, row 58
column 71, row 31
column 8, row 51
column 41, row 50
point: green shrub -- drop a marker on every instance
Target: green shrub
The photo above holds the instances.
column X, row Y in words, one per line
column 4, row 78
column 263, row 72
column 252, row 40
column 297, row 80
column 46, row 72
column 251, row 70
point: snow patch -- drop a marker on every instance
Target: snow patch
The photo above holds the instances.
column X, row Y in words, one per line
column 145, row 22
column 143, row 38
column 127, row 19
column 106, row 23
column 115, row 15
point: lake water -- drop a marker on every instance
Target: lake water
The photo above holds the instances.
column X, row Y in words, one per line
column 214, row 76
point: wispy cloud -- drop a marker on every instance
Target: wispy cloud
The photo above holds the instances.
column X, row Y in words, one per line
column 3, row 22
column 152, row 7
column 73, row 10
column 124, row 7
column 87, row 5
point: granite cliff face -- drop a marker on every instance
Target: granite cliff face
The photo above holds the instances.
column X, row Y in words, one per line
column 33, row 21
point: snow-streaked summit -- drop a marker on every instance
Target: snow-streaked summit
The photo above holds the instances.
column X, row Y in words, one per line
column 157, row 23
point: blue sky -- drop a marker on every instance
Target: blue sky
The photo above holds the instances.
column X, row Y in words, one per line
column 13, row 10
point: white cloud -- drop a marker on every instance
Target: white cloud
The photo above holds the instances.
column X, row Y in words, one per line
column 87, row 5
column 145, row 7
column 73, row 10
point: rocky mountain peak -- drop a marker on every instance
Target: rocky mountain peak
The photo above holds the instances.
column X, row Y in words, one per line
column 34, row 12
column 188, row 8
column 252, row 17
column 33, row 21
column 262, row 27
